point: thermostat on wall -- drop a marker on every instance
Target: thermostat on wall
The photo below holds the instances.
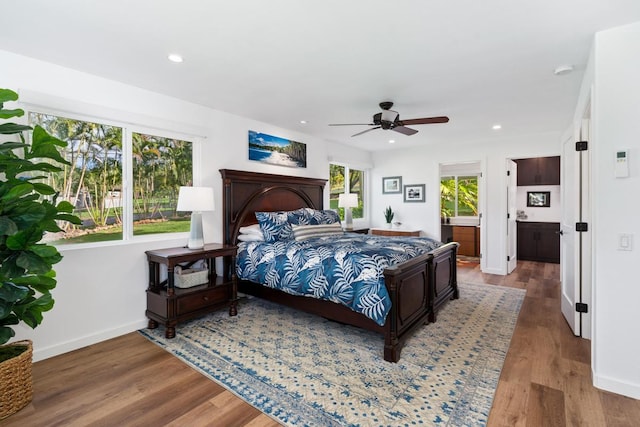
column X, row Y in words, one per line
column 622, row 164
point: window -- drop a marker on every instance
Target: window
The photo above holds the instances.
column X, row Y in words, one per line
column 99, row 156
column 459, row 196
column 343, row 179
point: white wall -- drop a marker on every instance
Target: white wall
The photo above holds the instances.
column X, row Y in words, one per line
column 616, row 203
column 101, row 290
column 540, row 214
column 421, row 166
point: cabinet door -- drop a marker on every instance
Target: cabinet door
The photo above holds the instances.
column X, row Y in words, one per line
column 527, row 171
column 467, row 238
column 549, row 243
column 549, row 168
column 527, row 242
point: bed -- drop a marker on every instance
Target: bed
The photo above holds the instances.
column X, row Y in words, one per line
column 417, row 287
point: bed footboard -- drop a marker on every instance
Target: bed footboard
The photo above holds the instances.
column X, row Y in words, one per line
column 417, row 288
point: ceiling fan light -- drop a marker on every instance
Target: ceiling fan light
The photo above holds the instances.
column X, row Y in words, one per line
column 389, row 115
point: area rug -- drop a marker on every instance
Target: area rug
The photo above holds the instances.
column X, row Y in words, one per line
column 303, row 370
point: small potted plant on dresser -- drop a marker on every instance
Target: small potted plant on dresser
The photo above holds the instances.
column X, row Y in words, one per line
column 28, row 209
column 388, row 216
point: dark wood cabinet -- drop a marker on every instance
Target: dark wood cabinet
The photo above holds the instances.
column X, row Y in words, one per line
column 168, row 304
column 539, row 171
column 469, row 239
column 539, row 241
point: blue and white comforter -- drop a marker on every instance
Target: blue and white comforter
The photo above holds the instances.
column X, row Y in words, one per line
column 346, row 269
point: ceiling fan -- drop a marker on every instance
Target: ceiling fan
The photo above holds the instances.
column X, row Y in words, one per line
column 389, row 119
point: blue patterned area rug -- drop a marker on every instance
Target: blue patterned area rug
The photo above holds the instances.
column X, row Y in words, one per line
column 303, row 370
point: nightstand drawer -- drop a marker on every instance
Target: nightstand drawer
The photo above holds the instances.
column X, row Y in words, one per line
column 196, row 300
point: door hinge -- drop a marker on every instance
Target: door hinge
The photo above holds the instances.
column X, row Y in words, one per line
column 582, row 307
column 508, row 173
column 582, row 146
column 508, row 215
column 508, row 258
column 582, row 226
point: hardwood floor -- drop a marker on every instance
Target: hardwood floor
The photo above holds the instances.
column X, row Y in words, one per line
column 546, row 379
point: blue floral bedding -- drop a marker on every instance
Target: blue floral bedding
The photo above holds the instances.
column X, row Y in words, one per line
column 346, row 269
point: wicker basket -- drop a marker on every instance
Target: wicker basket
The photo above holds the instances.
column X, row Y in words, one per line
column 16, row 380
column 190, row 277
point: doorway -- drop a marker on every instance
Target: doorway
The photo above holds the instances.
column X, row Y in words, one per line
column 460, row 207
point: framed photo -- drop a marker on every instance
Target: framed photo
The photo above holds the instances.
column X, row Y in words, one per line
column 414, row 193
column 392, row 185
column 538, row 199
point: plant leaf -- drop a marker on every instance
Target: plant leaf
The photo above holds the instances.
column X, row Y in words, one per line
column 13, row 128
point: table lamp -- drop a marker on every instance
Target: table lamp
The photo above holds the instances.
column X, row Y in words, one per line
column 348, row 201
column 195, row 200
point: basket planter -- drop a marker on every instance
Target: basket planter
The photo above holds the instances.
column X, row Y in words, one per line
column 16, row 380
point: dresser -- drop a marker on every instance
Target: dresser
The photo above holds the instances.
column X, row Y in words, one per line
column 394, row 232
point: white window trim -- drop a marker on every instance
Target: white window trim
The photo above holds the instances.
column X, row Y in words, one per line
column 357, row 222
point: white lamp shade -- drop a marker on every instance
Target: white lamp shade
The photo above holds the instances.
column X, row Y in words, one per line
column 195, row 199
column 348, row 200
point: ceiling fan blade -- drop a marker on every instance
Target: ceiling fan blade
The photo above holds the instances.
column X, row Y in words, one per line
column 365, row 131
column 352, row 124
column 425, row 121
column 404, row 130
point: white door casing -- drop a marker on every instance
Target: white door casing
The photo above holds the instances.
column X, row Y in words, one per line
column 512, row 236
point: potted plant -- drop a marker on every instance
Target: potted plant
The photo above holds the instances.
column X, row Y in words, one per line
column 28, row 209
column 388, row 215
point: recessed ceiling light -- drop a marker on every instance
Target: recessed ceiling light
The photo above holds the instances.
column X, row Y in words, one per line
column 175, row 57
column 563, row 69
column 392, row 141
column 496, row 127
column 303, row 122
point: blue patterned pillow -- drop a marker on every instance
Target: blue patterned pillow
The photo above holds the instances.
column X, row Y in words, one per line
column 277, row 225
column 326, row 216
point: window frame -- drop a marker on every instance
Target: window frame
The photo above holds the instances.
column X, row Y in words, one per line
column 365, row 177
column 128, row 129
column 455, row 177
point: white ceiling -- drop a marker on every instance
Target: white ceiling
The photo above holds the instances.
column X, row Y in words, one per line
column 331, row 61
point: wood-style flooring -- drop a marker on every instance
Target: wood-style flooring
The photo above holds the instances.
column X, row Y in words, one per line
column 128, row 381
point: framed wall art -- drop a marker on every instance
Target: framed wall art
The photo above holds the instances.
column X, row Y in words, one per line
column 538, row 199
column 277, row 151
column 414, row 193
column 392, row 185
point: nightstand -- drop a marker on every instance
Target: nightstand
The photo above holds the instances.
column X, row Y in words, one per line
column 168, row 305
column 394, row 232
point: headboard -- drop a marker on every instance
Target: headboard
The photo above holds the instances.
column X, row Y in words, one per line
column 245, row 193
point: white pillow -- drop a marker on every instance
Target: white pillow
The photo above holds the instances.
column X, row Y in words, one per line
column 251, row 229
column 251, row 237
column 304, row 232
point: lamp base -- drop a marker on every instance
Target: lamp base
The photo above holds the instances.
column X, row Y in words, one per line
column 348, row 219
column 196, row 238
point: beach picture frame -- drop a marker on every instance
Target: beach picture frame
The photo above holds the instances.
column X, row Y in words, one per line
column 278, row 151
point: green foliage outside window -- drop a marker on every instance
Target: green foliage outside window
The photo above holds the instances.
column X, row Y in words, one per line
column 459, row 196
column 93, row 180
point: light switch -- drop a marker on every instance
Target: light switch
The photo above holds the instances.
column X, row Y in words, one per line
column 625, row 242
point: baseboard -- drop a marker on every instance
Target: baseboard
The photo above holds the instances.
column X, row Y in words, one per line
column 617, row 386
column 65, row 347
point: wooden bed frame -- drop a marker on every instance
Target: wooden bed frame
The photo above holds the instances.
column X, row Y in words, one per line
column 417, row 287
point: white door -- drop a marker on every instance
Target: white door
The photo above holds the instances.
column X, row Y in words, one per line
column 575, row 248
column 512, row 233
